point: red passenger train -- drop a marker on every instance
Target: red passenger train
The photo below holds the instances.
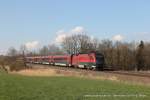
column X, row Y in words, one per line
column 91, row 60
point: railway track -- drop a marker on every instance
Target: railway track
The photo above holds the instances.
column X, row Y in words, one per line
column 128, row 73
column 131, row 73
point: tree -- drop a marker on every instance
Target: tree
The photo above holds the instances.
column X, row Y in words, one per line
column 140, row 56
column 54, row 49
column 78, row 43
column 106, row 47
column 12, row 52
column 50, row 50
column 23, row 50
column 44, row 51
column 84, row 43
column 147, row 55
column 67, row 45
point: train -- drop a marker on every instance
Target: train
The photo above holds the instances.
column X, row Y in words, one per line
column 92, row 60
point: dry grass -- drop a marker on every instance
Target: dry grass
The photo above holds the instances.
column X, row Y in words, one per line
column 57, row 72
column 36, row 72
column 101, row 76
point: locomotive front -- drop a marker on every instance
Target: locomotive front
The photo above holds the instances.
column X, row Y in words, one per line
column 99, row 61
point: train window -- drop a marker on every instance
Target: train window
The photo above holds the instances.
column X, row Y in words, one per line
column 45, row 59
column 60, row 58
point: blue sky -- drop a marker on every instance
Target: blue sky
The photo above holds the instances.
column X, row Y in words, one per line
column 42, row 21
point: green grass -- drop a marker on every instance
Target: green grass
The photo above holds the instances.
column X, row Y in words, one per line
column 15, row 87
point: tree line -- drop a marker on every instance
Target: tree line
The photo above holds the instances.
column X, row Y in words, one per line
column 118, row 55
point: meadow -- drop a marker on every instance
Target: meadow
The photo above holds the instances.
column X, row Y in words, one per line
column 17, row 87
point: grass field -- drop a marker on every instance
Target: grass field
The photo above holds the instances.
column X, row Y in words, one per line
column 16, row 87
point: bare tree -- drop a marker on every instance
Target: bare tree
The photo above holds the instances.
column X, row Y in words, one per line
column 12, row 52
column 67, row 45
column 94, row 44
column 106, row 47
column 78, row 43
column 23, row 50
column 44, row 51
column 54, row 49
column 147, row 56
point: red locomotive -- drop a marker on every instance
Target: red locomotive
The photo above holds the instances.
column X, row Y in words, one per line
column 91, row 60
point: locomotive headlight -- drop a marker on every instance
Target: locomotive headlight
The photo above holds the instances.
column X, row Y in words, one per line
column 93, row 66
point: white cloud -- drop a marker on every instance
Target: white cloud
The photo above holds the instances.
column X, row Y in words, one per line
column 118, row 37
column 60, row 38
column 77, row 30
column 32, row 45
column 61, row 34
column 3, row 52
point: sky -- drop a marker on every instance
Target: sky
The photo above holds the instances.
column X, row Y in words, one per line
column 42, row 22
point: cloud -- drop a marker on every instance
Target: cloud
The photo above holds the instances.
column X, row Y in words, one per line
column 118, row 37
column 3, row 52
column 61, row 34
column 60, row 38
column 32, row 45
column 77, row 30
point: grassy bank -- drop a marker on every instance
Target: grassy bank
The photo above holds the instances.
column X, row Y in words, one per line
column 15, row 87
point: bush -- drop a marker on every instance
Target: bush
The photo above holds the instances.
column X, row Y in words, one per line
column 14, row 63
column 17, row 65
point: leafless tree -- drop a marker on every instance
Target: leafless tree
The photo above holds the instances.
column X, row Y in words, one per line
column 54, row 49
column 12, row 52
column 23, row 50
column 147, row 56
column 44, row 51
column 106, row 47
column 78, row 43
